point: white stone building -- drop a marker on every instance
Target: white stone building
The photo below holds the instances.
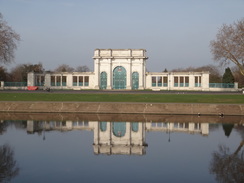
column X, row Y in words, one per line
column 123, row 69
column 128, row 138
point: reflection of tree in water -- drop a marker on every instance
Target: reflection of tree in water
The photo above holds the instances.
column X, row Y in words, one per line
column 3, row 127
column 8, row 166
column 229, row 167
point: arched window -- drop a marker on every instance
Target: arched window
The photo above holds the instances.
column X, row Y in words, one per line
column 135, row 80
column 103, row 80
column 119, row 129
column 103, row 126
column 135, row 126
column 119, row 78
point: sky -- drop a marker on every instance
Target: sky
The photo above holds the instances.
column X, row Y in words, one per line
column 175, row 33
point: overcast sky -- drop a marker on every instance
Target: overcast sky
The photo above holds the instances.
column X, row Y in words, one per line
column 175, row 33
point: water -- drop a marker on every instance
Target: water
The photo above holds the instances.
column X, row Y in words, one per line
column 143, row 149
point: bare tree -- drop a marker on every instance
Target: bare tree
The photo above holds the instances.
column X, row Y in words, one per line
column 19, row 73
column 229, row 45
column 3, row 74
column 64, row 68
column 227, row 166
column 8, row 41
column 83, row 68
column 8, row 165
column 238, row 76
column 214, row 77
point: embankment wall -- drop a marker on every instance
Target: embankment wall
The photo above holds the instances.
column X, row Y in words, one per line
column 123, row 108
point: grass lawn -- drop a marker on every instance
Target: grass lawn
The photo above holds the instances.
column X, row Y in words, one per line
column 154, row 98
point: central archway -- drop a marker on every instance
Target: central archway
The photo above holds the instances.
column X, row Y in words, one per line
column 119, row 129
column 119, row 78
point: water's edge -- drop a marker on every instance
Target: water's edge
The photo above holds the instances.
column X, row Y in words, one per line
column 124, row 108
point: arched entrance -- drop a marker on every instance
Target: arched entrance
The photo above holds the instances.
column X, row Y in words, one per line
column 119, row 78
column 135, row 80
column 119, row 129
column 103, row 80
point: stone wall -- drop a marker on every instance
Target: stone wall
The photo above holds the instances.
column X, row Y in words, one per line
column 123, row 108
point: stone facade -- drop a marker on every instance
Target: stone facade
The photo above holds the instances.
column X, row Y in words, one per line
column 123, row 69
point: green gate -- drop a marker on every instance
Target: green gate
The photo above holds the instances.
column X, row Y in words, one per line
column 103, row 80
column 119, row 78
column 135, row 80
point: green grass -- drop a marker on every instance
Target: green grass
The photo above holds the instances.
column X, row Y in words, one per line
column 157, row 98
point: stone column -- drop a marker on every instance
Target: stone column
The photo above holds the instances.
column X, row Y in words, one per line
column 109, row 75
column 69, row 79
column 30, row 126
column 97, row 73
column 128, row 76
column 205, row 128
column 205, row 81
column 31, row 79
column 170, row 81
column 142, row 76
column 47, row 80
column 236, row 85
column 2, row 85
column 191, row 81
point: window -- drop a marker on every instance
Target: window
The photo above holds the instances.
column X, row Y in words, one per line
column 86, row 80
column 165, row 81
column 135, row 126
column 52, row 80
column 153, row 81
column 159, row 80
column 74, row 80
column 58, row 80
column 181, row 81
column 80, row 80
column 64, row 80
column 39, row 80
column 176, row 81
column 103, row 126
column 197, row 81
column 187, row 81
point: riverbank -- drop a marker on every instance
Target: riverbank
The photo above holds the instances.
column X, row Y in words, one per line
column 123, row 96
column 122, row 108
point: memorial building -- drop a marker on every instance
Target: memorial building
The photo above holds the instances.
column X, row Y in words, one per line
column 121, row 69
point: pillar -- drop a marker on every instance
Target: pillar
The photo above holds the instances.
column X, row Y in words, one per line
column 205, row 81
column 128, row 74
column 191, row 81
column 97, row 73
column 47, row 80
column 142, row 75
column 2, row 85
column 236, row 85
column 31, row 79
column 109, row 75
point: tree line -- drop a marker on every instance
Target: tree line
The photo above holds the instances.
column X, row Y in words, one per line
column 230, row 75
column 19, row 73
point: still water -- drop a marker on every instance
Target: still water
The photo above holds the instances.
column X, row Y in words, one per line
column 106, row 149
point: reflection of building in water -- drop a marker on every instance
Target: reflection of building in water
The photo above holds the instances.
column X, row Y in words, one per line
column 201, row 128
column 119, row 137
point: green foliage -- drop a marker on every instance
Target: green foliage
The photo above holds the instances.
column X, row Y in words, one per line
column 228, row 76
